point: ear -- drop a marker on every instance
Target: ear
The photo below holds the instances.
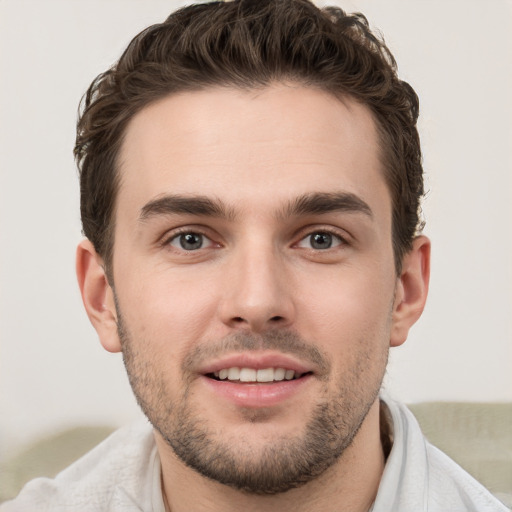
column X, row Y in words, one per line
column 97, row 295
column 411, row 291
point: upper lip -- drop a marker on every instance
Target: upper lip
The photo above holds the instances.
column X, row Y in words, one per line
column 258, row 361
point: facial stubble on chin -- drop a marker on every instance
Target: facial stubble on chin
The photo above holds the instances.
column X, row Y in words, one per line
column 277, row 465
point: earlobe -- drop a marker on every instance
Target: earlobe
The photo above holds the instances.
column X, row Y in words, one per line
column 412, row 290
column 97, row 295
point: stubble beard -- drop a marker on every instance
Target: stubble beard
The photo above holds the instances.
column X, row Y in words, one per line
column 282, row 463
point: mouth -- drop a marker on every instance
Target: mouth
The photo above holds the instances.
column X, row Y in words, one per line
column 252, row 380
column 254, row 375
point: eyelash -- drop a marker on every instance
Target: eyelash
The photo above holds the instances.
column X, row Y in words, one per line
column 342, row 241
column 175, row 234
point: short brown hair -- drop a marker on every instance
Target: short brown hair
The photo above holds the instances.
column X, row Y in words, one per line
column 249, row 44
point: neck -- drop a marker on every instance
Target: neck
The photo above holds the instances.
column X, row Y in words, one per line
column 351, row 484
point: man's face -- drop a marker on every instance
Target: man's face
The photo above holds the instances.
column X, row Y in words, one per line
column 253, row 242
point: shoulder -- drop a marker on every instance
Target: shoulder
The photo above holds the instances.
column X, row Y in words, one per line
column 418, row 476
column 449, row 483
column 117, row 465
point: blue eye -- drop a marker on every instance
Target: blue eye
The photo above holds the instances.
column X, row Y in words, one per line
column 188, row 241
column 320, row 240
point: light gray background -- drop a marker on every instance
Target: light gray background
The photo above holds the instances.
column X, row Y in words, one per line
column 458, row 56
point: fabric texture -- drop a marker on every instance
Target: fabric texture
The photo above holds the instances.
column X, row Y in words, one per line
column 123, row 473
column 120, row 474
column 419, row 477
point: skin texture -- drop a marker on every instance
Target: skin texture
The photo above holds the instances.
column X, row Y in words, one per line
column 267, row 170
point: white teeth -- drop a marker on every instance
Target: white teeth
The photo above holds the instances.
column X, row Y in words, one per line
column 266, row 375
column 289, row 374
column 279, row 373
column 234, row 374
column 252, row 375
column 247, row 375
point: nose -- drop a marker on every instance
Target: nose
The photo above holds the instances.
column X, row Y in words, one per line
column 257, row 295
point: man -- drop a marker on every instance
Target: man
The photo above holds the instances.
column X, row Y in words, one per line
column 250, row 185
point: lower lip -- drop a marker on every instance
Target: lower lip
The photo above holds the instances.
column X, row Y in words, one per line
column 256, row 395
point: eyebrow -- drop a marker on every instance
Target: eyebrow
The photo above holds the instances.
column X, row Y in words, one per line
column 315, row 203
column 318, row 203
column 177, row 204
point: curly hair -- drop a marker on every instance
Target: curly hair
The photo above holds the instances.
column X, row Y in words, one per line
column 250, row 44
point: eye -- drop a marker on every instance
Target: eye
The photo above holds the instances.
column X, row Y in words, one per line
column 189, row 241
column 320, row 240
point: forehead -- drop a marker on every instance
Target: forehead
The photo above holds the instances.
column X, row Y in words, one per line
column 253, row 149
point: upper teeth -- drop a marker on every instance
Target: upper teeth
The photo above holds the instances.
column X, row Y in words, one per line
column 252, row 375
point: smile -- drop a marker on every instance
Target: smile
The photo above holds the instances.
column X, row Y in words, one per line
column 256, row 379
column 236, row 374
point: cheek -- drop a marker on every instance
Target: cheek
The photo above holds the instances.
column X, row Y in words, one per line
column 167, row 309
column 347, row 306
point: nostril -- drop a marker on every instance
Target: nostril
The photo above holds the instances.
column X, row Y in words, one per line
column 255, row 323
